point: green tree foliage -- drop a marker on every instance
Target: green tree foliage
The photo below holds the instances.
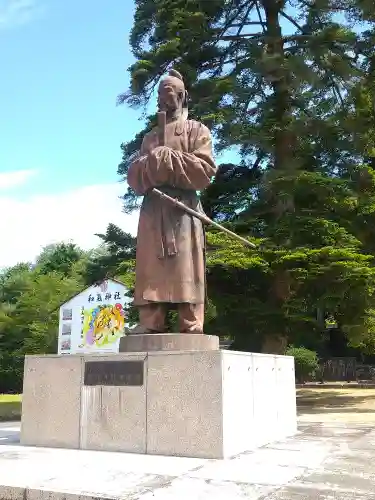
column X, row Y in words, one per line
column 116, row 257
column 58, row 258
column 30, row 296
column 280, row 82
column 306, row 362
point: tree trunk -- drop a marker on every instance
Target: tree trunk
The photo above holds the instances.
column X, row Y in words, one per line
column 278, row 80
column 274, row 344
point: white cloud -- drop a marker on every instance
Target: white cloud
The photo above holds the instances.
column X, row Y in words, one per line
column 12, row 179
column 16, row 12
column 28, row 225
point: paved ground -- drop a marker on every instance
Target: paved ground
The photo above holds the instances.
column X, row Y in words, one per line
column 9, row 432
column 329, row 460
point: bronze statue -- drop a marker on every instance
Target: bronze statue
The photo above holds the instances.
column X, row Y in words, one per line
column 176, row 158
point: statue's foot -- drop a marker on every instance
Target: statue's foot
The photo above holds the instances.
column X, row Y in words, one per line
column 142, row 330
column 194, row 330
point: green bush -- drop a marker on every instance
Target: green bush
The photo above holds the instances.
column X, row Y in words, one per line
column 306, row 362
column 11, row 372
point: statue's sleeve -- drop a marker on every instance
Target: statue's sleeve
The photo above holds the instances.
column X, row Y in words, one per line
column 195, row 169
column 165, row 166
column 137, row 177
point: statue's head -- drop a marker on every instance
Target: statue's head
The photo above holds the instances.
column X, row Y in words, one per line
column 172, row 96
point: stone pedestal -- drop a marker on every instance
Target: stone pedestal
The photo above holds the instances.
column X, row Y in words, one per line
column 207, row 404
column 169, row 342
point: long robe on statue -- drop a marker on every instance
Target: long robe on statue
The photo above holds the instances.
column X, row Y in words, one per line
column 170, row 266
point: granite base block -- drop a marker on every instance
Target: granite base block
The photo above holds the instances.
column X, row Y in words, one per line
column 208, row 404
column 51, row 401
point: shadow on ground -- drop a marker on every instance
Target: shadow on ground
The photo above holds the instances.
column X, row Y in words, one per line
column 335, row 401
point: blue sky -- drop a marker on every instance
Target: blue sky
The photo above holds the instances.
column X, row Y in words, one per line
column 62, row 63
column 61, row 73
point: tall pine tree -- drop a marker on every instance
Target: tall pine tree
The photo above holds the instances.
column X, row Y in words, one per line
column 276, row 80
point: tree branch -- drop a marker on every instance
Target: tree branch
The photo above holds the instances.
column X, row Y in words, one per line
column 220, row 36
column 260, row 17
column 291, row 20
column 229, row 22
column 241, row 26
column 335, row 87
column 258, row 161
column 249, row 23
column 238, row 37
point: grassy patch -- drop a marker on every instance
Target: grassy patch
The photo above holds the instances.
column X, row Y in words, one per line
column 10, row 407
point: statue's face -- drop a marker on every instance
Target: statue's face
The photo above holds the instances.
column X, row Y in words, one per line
column 170, row 96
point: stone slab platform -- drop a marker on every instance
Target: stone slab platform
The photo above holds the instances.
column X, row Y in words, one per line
column 334, row 461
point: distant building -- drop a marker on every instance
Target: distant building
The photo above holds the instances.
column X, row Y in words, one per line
column 94, row 320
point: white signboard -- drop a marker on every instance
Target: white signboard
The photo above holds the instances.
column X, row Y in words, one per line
column 94, row 320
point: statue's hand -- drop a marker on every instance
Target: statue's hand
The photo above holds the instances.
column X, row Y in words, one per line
column 160, row 151
column 160, row 157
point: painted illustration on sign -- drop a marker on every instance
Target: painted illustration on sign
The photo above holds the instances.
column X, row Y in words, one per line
column 67, row 314
column 66, row 345
column 102, row 325
column 66, row 329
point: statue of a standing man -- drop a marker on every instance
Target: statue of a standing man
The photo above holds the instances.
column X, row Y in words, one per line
column 170, row 267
